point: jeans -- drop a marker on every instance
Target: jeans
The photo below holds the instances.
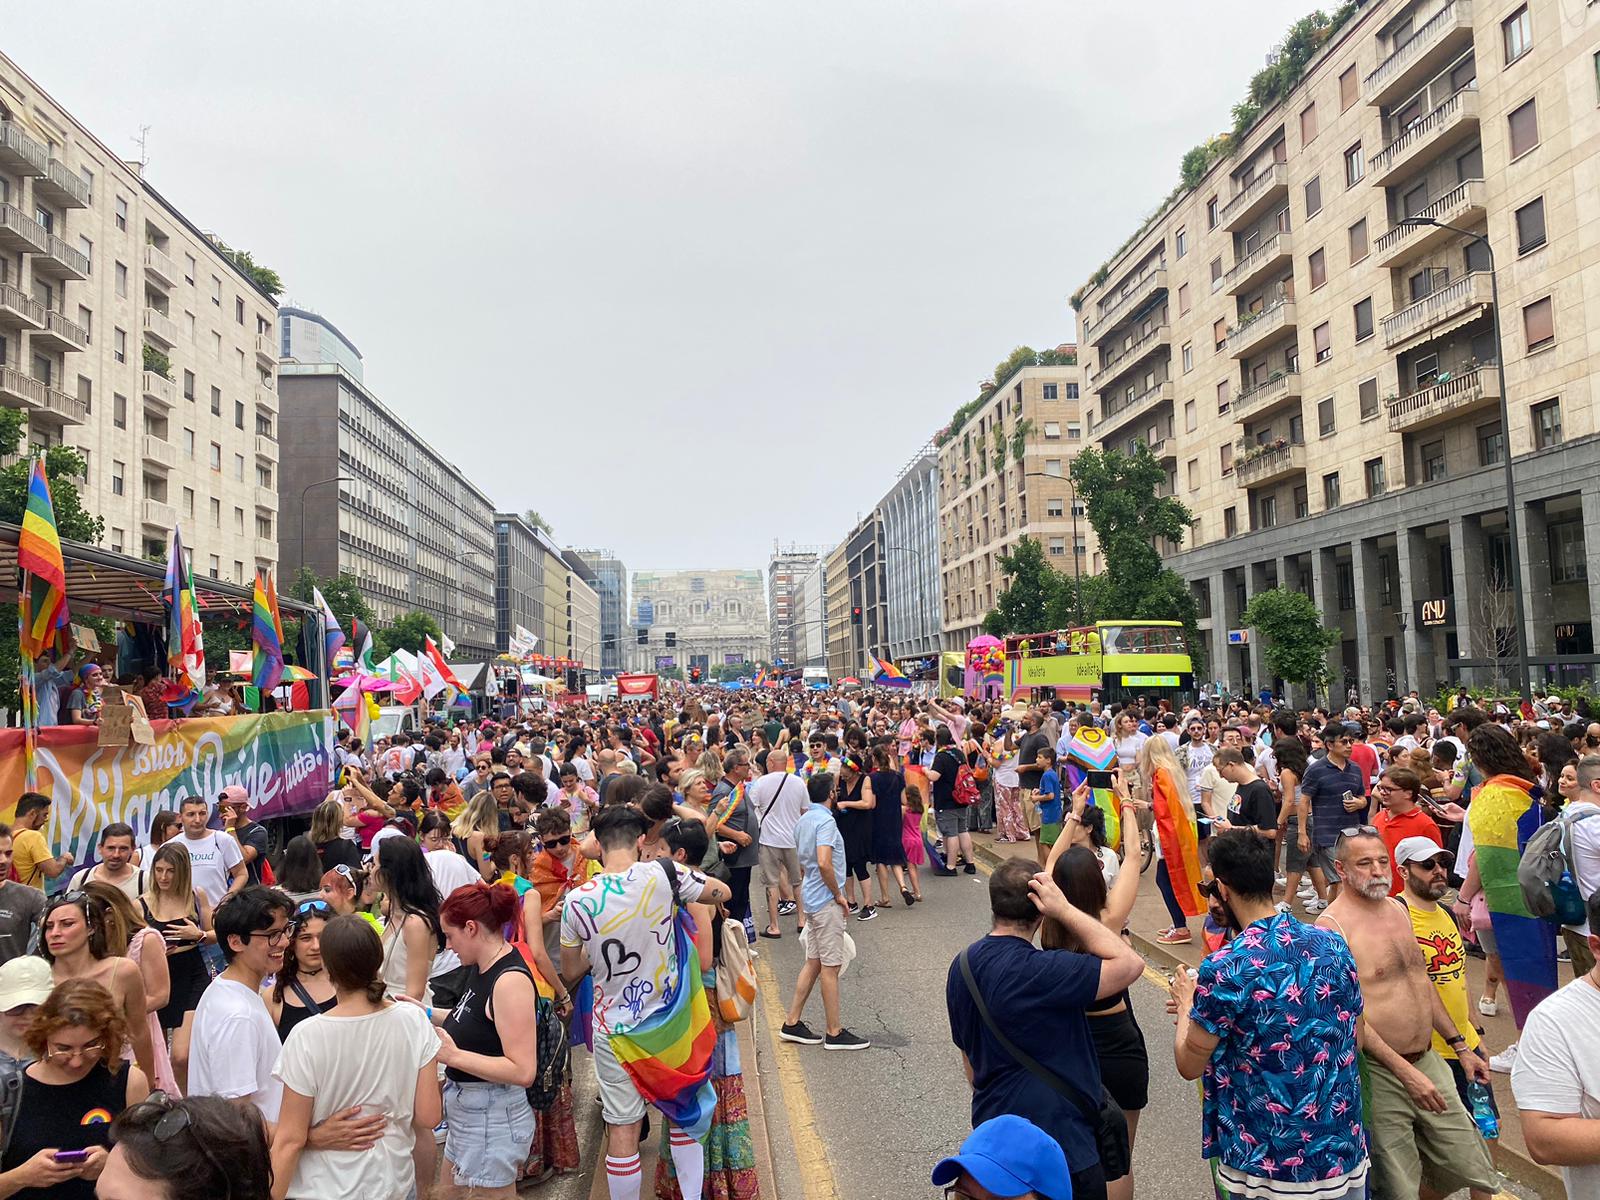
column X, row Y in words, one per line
column 1180, row 919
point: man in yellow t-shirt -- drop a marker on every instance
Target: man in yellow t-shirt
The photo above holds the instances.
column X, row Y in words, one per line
column 1424, row 869
column 32, row 859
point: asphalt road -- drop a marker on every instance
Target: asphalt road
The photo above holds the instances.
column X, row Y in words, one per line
column 872, row 1123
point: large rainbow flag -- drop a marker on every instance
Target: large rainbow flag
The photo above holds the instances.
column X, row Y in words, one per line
column 266, row 635
column 668, row 1054
column 1503, row 817
column 886, row 674
column 42, row 604
column 332, row 634
column 186, row 653
column 1091, row 749
column 1180, row 843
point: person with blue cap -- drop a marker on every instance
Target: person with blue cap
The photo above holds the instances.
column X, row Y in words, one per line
column 1006, row 1158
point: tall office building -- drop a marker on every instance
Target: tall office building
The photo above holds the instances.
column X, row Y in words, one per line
column 785, row 570
column 129, row 334
column 909, row 517
column 308, row 337
column 869, row 597
column 362, row 493
column 518, row 583
column 839, row 639
column 810, row 618
column 715, row 617
column 583, row 612
column 1313, row 335
column 611, row 582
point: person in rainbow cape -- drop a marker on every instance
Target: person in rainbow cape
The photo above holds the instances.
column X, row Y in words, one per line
column 653, row 1036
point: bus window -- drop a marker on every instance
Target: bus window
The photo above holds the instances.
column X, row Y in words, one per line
column 1143, row 639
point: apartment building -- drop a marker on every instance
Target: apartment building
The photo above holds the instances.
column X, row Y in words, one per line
column 868, row 595
column 1315, row 356
column 839, row 635
column 363, row 493
column 611, row 581
column 127, row 333
column 785, row 570
column 991, row 496
column 909, row 516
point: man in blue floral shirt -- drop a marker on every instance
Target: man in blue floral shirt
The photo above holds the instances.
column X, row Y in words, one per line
column 1270, row 1023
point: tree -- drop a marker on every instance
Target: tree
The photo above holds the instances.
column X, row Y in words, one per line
column 1295, row 642
column 342, row 592
column 408, row 633
column 532, row 517
column 1031, row 593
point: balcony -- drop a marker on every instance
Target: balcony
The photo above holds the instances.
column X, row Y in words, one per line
column 1128, row 411
column 266, row 447
column 1125, row 360
column 1453, row 122
column 68, row 409
column 1256, row 329
column 1269, row 465
column 1463, row 204
column 1432, row 45
column 1267, row 397
column 20, row 152
column 267, row 398
column 20, row 391
column 160, row 328
column 266, row 350
column 159, row 268
column 1256, row 266
column 159, row 391
column 18, row 310
column 159, row 514
column 266, row 548
column 266, row 497
column 60, row 334
column 1445, row 400
column 61, row 261
column 1131, row 300
column 1254, row 198
column 1467, row 296
column 21, row 232
column 159, row 453
column 58, row 183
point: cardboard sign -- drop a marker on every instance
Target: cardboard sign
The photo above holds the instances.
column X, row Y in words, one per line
column 122, row 719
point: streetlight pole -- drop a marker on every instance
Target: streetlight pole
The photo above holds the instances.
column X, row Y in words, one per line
column 1512, row 524
column 303, row 491
column 1077, row 570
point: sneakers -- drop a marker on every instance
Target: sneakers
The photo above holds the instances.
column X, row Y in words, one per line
column 1502, row 1063
column 970, row 869
column 853, row 907
column 1280, row 880
column 1313, row 905
column 844, row 1040
column 786, row 907
column 1174, row 937
column 867, row 913
column 1563, row 955
column 801, row 1034
column 1487, row 1006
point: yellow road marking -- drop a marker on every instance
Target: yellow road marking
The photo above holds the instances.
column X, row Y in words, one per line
column 816, row 1173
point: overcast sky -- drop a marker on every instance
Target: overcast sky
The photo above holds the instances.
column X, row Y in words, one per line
column 685, row 277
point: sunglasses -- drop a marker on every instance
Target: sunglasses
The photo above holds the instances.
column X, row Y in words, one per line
column 171, row 1123
column 1432, row 864
column 309, row 909
column 1208, row 888
column 558, row 841
column 1358, row 831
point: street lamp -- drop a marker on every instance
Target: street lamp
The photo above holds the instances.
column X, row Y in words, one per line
column 1513, row 530
column 303, row 491
column 1077, row 577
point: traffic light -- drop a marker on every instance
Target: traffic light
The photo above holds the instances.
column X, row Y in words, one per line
column 855, row 615
column 694, row 674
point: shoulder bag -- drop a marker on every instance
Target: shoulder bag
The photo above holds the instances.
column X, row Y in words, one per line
column 1107, row 1120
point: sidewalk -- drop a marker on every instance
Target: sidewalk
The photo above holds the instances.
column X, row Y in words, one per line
column 1150, row 918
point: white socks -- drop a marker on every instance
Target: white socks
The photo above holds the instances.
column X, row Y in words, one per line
column 689, row 1157
column 623, row 1177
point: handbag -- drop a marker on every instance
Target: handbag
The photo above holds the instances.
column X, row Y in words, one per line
column 1108, row 1122
column 735, row 973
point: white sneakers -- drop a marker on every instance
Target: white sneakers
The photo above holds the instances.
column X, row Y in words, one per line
column 1487, row 1006
column 1502, row 1063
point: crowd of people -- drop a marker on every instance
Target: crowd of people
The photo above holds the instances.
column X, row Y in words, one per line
column 394, row 1002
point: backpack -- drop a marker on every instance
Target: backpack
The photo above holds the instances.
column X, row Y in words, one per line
column 736, row 974
column 966, row 789
column 10, row 1098
column 1549, row 887
column 554, row 1051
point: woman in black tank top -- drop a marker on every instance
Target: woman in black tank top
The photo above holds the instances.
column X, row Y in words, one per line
column 302, row 988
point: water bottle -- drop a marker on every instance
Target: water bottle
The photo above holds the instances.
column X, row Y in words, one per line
column 1483, row 1110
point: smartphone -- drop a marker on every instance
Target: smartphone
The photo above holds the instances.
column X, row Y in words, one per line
column 67, row 1157
column 1098, row 779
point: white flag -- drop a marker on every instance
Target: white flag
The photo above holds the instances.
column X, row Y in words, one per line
column 521, row 642
column 446, row 644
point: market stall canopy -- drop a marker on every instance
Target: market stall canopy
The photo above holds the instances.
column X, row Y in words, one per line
column 102, row 583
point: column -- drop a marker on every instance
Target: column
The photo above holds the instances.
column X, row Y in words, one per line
column 1533, row 554
column 1369, row 650
column 1259, row 675
column 1288, row 573
column 1470, row 570
column 1325, row 592
column 1217, row 666
column 1411, row 552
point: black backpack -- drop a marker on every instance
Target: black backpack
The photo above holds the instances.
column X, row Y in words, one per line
column 554, row 1052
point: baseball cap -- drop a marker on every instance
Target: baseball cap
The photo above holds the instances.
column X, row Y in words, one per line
column 1010, row 1156
column 24, row 980
column 234, row 794
column 1419, row 849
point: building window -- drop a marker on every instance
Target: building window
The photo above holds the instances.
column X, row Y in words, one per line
column 1524, row 122
column 1363, row 317
column 121, row 276
column 216, row 515
column 1050, row 391
column 1181, row 241
column 238, row 414
column 1432, row 454
column 1308, row 124
column 1354, row 166
column 1314, row 197
column 1491, row 444
column 1568, row 562
column 1052, row 466
column 1322, row 339
column 216, row 456
column 1327, row 420
column 1230, row 521
column 1376, row 480
column 1345, row 581
column 1539, row 324
column 1188, row 357
column 119, row 411
column 1211, row 213
column 1318, row 265
column 116, row 477
column 1058, row 545
column 1367, row 391
column 1222, row 397
column 1055, row 508
column 1266, row 512
column 1074, row 431
column 1547, row 424
column 188, row 385
column 119, row 345
column 1072, row 391
column 86, row 394
column 188, row 443
column 1302, row 503
column 1194, row 474
column 216, row 402
column 1226, row 458
column 189, row 269
column 216, row 291
column 122, row 213
column 1191, row 416
column 1219, row 335
column 1358, row 241
column 1052, row 430
column 1330, row 490
column 188, row 502
column 1349, row 89
column 1216, row 273
column 1183, row 299
column 1516, row 32
column 238, row 309
column 1530, row 226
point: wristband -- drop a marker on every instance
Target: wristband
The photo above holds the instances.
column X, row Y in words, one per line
column 430, row 1013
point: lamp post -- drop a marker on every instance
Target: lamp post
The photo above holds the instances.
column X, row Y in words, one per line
column 1077, row 576
column 303, row 491
column 1512, row 525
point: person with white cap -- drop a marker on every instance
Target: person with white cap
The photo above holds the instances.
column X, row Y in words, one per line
column 24, row 984
column 1006, row 1158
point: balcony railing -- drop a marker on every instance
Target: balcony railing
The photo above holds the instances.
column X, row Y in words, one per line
column 267, row 398
column 266, row 349
column 158, row 266
column 1126, row 358
column 1459, row 108
column 1263, row 396
column 159, row 513
column 19, row 231
column 1254, row 327
column 266, row 497
column 19, row 309
column 160, row 390
column 160, row 327
column 1403, row 240
column 1119, row 415
column 21, row 151
column 1466, row 390
column 61, row 260
column 61, row 334
column 1451, row 301
column 1272, row 463
column 22, row 390
column 1278, row 246
column 158, row 452
column 1412, row 55
column 1253, row 197
column 67, row 189
column 1145, row 286
column 267, row 446
column 69, row 408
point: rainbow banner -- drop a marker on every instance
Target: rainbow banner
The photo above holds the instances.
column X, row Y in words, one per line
column 1091, row 749
column 186, row 653
column 266, row 635
column 1503, row 816
column 886, row 674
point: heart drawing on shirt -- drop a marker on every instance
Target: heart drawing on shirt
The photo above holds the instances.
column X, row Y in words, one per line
column 626, row 960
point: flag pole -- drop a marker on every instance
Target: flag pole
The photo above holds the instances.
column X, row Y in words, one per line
column 26, row 686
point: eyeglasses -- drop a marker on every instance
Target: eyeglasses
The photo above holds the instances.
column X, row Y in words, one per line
column 57, row 1053
column 173, row 1121
column 1358, row 831
column 274, row 937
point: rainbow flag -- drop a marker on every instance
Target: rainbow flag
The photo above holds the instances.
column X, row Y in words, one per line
column 266, row 635
column 1503, row 817
column 332, row 635
column 761, row 677
column 42, row 603
column 886, row 674
column 668, row 1054
column 1180, row 844
column 186, row 653
column 1091, row 749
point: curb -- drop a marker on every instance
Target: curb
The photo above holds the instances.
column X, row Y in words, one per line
column 1516, row 1167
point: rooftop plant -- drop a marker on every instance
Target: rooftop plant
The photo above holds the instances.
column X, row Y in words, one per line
column 1022, row 356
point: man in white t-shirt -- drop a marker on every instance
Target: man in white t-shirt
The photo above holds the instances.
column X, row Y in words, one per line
column 619, row 926
column 215, row 860
column 778, row 798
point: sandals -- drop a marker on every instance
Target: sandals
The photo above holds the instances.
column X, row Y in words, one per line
column 769, row 934
column 905, row 894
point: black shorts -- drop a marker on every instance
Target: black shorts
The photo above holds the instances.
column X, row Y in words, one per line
column 1124, row 1062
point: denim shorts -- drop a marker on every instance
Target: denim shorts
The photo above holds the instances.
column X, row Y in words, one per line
column 489, row 1131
